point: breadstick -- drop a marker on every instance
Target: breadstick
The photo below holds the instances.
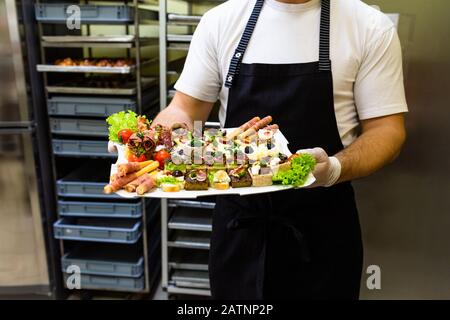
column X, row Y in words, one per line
column 121, row 182
column 131, row 187
column 254, row 128
column 242, row 128
column 146, row 186
column 125, row 168
column 262, row 123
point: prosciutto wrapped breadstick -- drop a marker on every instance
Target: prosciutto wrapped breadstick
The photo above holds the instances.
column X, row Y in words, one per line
column 120, row 182
column 132, row 186
column 130, row 167
column 255, row 127
column 243, row 128
column 147, row 185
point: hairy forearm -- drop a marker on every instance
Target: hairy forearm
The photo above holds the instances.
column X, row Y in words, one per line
column 376, row 147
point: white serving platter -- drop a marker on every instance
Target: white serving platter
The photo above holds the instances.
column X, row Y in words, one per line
column 184, row 194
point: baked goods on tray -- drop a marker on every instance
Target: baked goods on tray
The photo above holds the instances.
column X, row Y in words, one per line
column 102, row 62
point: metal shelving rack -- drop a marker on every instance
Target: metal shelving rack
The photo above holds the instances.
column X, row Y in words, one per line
column 185, row 225
column 149, row 234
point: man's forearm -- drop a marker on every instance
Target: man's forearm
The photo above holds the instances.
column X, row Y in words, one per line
column 373, row 149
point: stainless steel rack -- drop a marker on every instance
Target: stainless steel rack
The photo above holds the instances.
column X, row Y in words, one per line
column 186, row 225
column 88, row 218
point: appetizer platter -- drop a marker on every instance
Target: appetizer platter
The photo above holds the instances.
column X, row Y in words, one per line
column 161, row 162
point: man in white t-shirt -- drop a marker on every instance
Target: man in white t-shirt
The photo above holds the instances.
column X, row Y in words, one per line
column 330, row 74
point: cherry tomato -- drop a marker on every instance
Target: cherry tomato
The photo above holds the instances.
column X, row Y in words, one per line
column 124, row 135
column 134, row 158
column 161, row 156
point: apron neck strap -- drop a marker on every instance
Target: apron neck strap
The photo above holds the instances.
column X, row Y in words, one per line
column 324, row 48
column 243, row 44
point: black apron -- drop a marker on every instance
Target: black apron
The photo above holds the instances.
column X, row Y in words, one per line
column 296, row 244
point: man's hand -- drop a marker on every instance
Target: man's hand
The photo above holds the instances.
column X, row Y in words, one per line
column 379, row 144
column 327, row 170
column 184, row 109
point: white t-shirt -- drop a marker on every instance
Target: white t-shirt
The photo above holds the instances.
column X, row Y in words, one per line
column 365, row 53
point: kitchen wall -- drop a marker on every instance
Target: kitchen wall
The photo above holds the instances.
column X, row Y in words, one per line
column 405, row 209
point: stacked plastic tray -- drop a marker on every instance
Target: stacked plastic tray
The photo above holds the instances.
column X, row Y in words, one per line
column 78, row 122
column 114, row 243
column 189, row 231
column 186, row 225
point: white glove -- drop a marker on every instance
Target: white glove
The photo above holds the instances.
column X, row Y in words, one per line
column 328, row 169
column 112, row 148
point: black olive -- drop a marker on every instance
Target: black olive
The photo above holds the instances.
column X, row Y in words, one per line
column 181, row 152
column 248, row 150
column 270, row 145
column 177, row 173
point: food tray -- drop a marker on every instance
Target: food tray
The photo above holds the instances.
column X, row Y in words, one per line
column 91, row 106
column 106, row 209
column 191, row 219
column 179, row 38
column 95, row 282
column 190, row 279
column 81, row 148
column 97, row 230
column 84, row 69
column 84, row 189
column 88, row 106
column 126, row 88
column 189, row 239
column 192, row 204
column 106, row 261
column 178, row 46
column 188, row 259
column 100, row 209
column 92, row 69
column 85, row 182
column 92, row 14
column 184, row 194
column 176, row 18
column 127, row 41
column 79, row 127
column 99, row 38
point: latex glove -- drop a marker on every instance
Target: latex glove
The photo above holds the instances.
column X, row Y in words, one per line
column 327, row 170
column 112, row 148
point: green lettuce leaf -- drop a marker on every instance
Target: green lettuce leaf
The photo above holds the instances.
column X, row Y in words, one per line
column 121, row 120
column 168, row 179
column 302, row 166
column 170, row 166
